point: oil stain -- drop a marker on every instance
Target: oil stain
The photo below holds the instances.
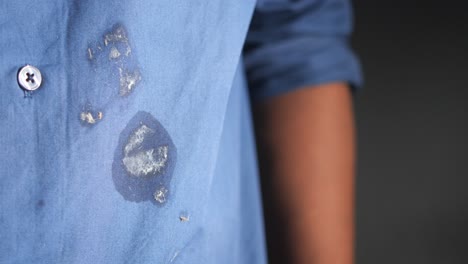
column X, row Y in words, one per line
column 160, row 195
column 144, row 161
column 90, row 118
column 111, row 56
column 128, row 80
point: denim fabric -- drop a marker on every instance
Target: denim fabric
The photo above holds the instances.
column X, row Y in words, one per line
column 138, row 146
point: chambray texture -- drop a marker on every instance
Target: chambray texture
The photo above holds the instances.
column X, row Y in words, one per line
column 138, row 147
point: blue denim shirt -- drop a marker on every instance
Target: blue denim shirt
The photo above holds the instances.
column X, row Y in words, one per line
column 137, row 147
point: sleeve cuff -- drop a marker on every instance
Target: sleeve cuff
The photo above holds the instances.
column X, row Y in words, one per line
column 301, row 63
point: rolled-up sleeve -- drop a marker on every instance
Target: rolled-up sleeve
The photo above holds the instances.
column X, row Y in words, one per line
column 302, row 43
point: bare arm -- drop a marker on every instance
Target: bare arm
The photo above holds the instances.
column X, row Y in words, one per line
column 308, row 135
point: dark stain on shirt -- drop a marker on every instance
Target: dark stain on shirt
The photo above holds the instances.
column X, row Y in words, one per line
column 144, row 161
column 116, row 71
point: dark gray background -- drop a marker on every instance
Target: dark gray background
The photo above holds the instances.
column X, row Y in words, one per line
column 412, row 198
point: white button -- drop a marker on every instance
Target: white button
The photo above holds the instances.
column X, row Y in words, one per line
column 29, row 78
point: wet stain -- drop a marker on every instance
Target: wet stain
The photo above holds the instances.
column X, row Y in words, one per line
column 114, row 44
column 89, row 116
column 118, row 35
column 128, row 81
column 144, row 161
column 118, row 49
column 160, row 194
column 140, row 163
column 90, row 54
column 112, row 60
column 114, row 53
